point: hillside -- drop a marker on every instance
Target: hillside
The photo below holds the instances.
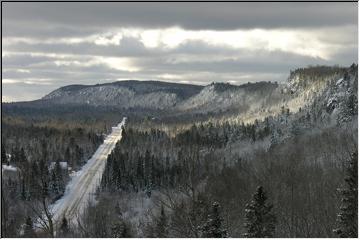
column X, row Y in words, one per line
column 125, row 94
column 321, row 87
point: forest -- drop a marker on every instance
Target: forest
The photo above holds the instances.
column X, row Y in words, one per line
column 290, row 174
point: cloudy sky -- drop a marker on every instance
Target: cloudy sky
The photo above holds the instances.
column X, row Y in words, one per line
column 48, row 45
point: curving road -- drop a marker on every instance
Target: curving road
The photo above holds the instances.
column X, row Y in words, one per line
column 80, row 190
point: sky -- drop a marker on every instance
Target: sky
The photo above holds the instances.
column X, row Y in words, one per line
column 49, row 45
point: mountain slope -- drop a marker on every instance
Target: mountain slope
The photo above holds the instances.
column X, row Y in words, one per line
column 221, row 97
column 125, row 94
column 321, row 87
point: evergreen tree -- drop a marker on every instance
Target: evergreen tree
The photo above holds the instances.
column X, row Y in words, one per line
column 160, row 230
column 120, row 230
column 67, row 156
column 3, row 154
column 14, row 158
column 54, row 184
column 308, row 117
column 267, row 128
column 347, row 219
column 64, row 228
column 22, row 157
column 253, row 132
column 352, row 104
column 140, row 172
column 259, row 219
column 29, row 230
column 79, row 155
column 147, row 168
column 59, row 176
column 213, row 228
column 23, row 195
column 123, row 133
column 273, row 138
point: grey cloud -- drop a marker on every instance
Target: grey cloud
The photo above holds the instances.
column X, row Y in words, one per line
column 22, row 60
column 204, row 63
column 42, row 29
column 244, row 62
column 129, row 47
column 208, row 59
column 45, row 67
column 226, row 16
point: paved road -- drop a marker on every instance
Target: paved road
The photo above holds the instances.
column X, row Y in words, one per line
column 82, row 187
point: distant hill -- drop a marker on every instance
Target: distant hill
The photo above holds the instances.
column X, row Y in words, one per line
column 327, row 89
column 125, row 94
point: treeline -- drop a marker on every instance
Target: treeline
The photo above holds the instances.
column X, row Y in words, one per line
column 72, row 145
column 218, row 135
column 319, row 72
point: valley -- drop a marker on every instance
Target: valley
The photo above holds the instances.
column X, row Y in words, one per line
column 185, row 153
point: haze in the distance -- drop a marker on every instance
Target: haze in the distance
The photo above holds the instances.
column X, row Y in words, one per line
column 48, row 45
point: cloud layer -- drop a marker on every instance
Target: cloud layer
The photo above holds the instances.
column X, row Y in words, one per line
column 48, row 45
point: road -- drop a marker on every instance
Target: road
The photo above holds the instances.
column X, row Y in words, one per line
column 80, row 190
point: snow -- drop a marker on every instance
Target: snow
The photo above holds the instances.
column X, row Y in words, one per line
column 81, row 188
column 331, row 101
column 9, row 168
column 339, row 81
column 63, row 165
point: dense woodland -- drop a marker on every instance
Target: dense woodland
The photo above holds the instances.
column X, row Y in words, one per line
column 36, row 152
column 187, row 174
column 293, row 174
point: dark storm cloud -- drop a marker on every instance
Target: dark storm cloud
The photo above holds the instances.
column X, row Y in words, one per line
column 78, row 18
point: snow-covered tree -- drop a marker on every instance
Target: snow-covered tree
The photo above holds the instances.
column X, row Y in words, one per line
column 352, row 104
column 347, row 219
column 214, row 228
column 259, row 219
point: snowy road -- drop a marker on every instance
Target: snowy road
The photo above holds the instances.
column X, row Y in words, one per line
column 80, row 190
